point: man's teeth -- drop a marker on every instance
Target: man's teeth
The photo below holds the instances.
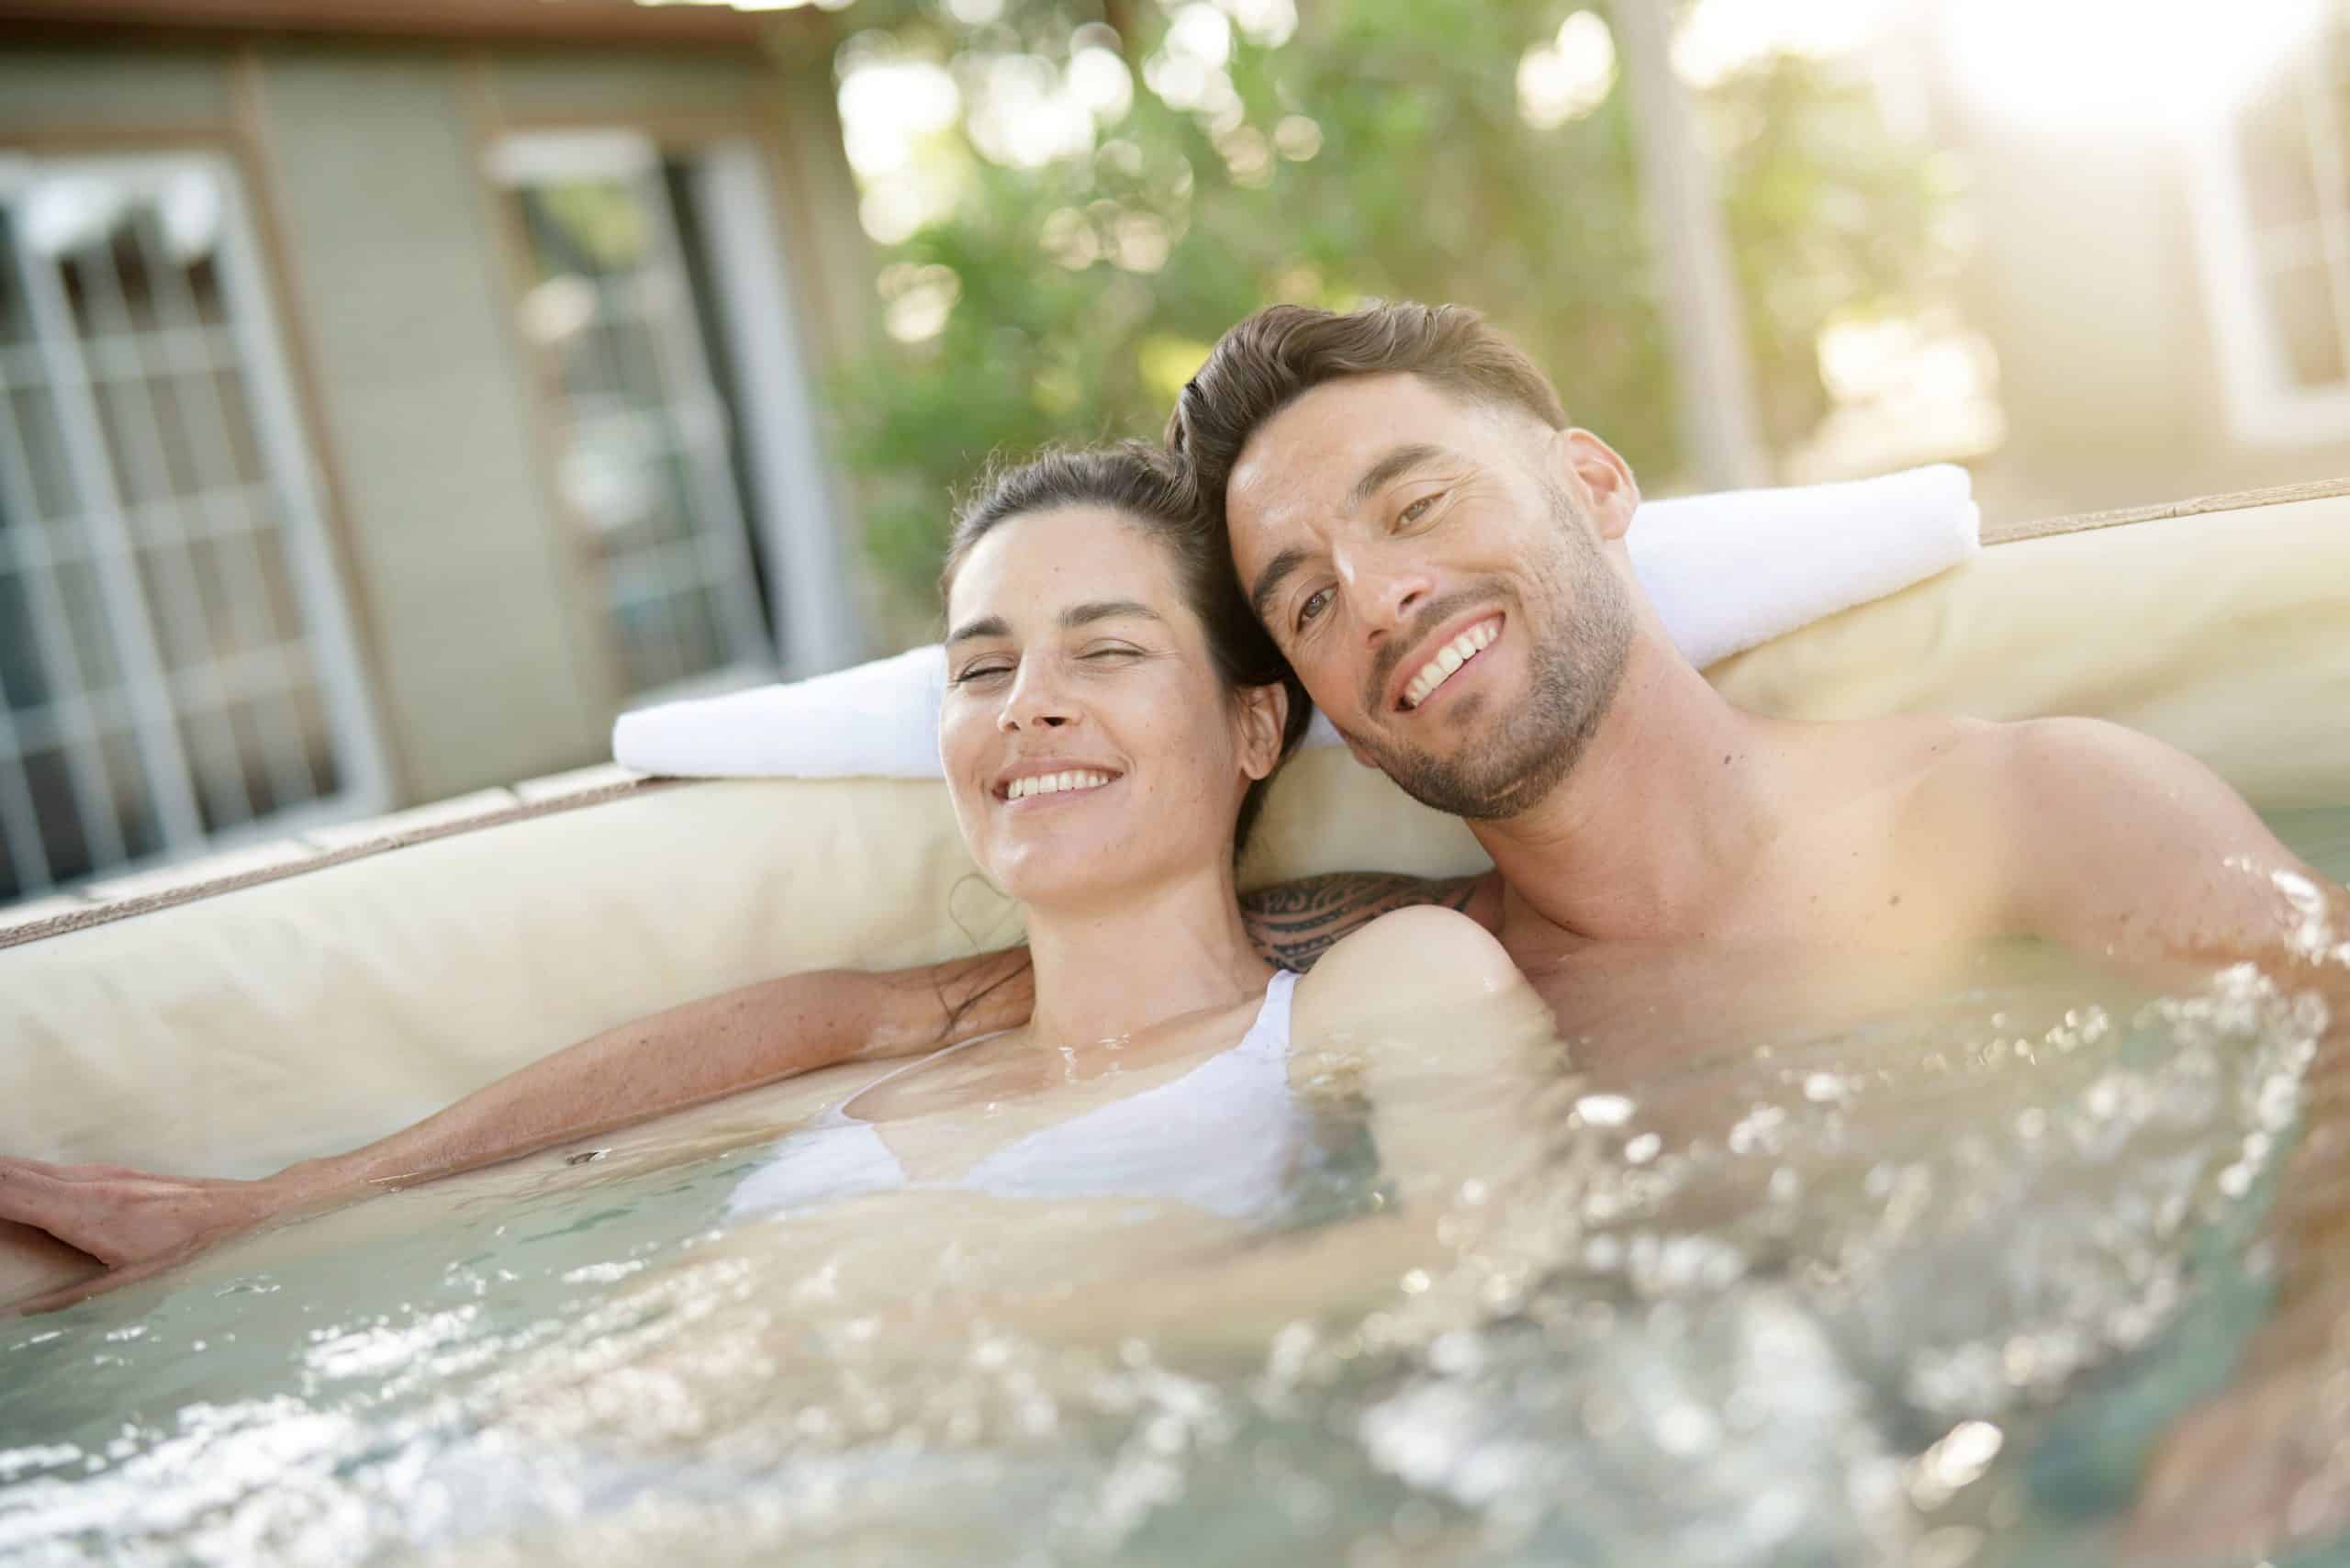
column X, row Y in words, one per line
column 1050, row 783
column 1448, row 658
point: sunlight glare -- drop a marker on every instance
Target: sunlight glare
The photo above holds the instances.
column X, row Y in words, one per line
column 2117, row 62
column 1721, row 38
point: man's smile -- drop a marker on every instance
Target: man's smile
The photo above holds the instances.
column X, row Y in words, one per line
column 1450, row 652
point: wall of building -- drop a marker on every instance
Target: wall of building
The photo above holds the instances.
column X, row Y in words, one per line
column 490, row 672
column 485, row 642
column 2086, row 279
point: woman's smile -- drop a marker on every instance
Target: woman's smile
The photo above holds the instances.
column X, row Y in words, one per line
column 1053, row 782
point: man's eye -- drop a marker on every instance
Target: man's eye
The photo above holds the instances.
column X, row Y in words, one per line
column 1419, row 508
column 1315, row 602
column 1113, row 652
column 982, row 672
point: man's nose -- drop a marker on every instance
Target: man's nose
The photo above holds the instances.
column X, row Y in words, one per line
column 1387, row 591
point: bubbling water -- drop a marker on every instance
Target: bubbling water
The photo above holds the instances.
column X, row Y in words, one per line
column 1919, row 1292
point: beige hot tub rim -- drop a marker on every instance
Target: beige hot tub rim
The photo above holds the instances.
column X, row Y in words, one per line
column 502, row 807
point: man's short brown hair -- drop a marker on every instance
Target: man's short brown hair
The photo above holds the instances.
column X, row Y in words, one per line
column 1283, row 351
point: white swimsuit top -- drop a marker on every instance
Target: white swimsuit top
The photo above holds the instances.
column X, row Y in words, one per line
column 1223, row 1136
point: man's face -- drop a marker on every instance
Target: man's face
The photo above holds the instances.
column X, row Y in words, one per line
column 1433, row 568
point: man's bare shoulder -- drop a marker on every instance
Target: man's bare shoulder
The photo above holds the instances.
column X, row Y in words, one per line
column 2043, row 817
column 1961, row 781
column 1954, row 796
column 2027, row 768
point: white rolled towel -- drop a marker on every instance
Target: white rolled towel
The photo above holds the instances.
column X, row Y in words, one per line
column 1730, row 571
column 1726, row 572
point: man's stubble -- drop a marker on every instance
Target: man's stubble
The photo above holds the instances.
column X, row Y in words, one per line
column 1577, row 664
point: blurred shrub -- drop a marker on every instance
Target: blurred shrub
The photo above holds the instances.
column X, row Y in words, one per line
column 1060, row 274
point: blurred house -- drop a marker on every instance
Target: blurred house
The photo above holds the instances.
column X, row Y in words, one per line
column 391, row 391
column 2160, row 200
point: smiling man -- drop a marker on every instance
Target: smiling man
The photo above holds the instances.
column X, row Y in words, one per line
column 1440, row 555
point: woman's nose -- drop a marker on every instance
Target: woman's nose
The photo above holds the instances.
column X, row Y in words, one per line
column 1015, row 720
column 1035, row 702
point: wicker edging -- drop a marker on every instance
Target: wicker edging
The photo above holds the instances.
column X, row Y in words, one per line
column 100, row 913
column 2238, row 500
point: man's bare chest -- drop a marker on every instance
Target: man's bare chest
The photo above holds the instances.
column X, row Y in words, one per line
column 1636, row 1006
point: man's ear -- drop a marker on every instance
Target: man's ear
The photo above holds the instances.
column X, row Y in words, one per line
column 1264, row 712
column 1600, row 478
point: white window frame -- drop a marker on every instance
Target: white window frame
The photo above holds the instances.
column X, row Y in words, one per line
column 802, row 522
column 815, row 625
column 2263, row 407
column 362, row 770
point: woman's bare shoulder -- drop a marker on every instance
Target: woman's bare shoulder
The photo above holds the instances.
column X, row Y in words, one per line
column 1405, row 962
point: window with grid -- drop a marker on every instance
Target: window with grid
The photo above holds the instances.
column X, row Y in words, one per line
column 172, row 668
column 615, row 308
column 2273, row 197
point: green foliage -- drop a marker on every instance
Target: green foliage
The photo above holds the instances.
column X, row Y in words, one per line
column 1086, row 290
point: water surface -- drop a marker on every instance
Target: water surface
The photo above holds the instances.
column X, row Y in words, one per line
column 1921, row 1290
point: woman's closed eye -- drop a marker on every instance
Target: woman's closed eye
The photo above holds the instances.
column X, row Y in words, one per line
column 982, row 670
column 1110, row 654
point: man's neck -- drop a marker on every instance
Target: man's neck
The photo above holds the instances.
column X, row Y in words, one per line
column 1114, row 969
column 1665, row 811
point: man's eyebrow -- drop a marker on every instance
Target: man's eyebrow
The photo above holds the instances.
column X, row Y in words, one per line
column 990, row 626
column 1106, row 609
column 1400, row 461
column 1260, row 596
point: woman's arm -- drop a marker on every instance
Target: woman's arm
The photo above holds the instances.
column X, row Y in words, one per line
column 669, row 1061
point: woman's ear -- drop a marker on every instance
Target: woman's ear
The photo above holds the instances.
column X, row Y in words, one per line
column 1264, row 712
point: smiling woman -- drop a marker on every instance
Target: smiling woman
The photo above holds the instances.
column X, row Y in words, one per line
column 1051, row 683
column 1134, row 485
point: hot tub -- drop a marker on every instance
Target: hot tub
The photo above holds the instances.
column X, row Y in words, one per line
column 1920, row 1288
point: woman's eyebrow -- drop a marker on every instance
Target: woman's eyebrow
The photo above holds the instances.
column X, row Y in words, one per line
column 990, row 626
column 1106, row 609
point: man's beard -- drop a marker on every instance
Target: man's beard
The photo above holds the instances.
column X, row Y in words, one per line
column 1575, row 672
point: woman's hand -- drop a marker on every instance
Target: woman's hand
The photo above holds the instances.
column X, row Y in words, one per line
column 132, row 1219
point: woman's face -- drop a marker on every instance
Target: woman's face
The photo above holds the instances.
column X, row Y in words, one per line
column 1091, row 750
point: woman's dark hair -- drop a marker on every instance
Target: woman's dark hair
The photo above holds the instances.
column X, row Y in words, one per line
column 1149, row 490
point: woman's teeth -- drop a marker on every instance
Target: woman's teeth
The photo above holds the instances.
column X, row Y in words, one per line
column 1051, row 783
column 1448, row 658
